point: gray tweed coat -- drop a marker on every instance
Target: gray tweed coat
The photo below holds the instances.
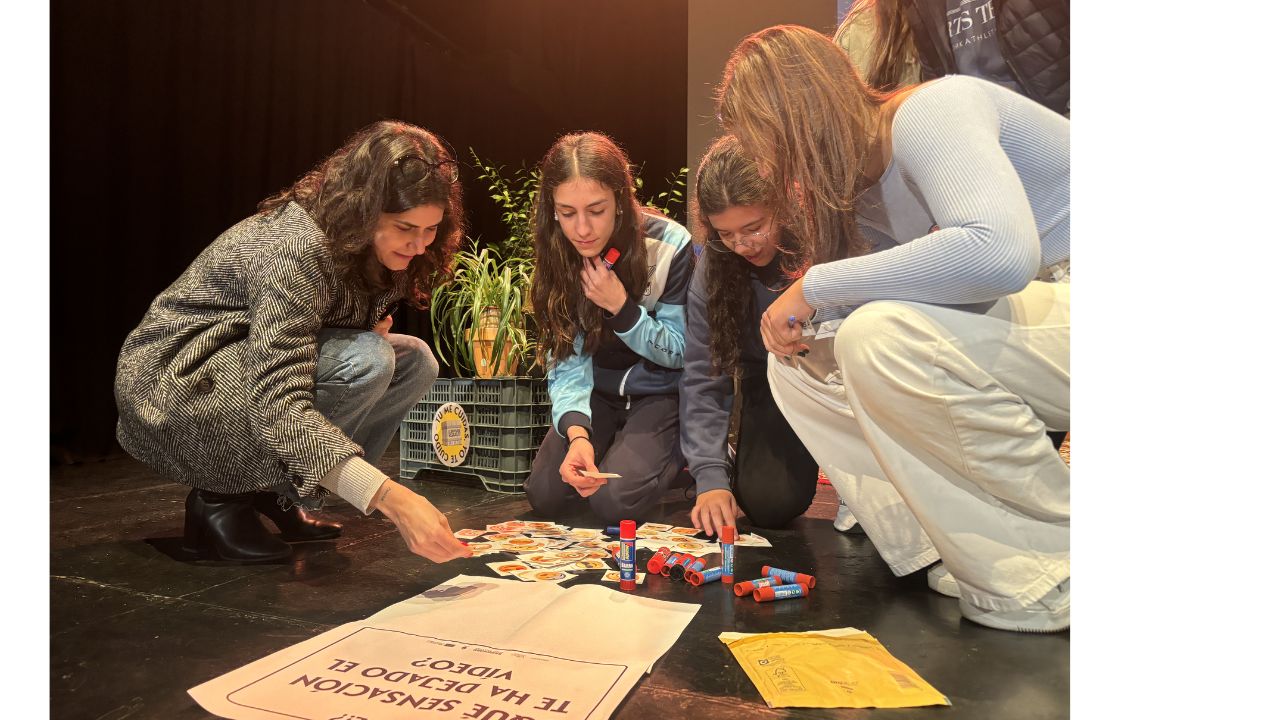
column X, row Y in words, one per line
column 216, row 386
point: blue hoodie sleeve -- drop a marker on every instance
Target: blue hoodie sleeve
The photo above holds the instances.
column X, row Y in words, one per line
column 569, row 383
column 659, row 337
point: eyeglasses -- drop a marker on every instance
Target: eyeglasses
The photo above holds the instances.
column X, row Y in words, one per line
column 751, row 239
column 414, row 167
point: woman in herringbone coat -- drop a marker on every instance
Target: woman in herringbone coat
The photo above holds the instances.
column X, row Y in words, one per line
column 266, row 376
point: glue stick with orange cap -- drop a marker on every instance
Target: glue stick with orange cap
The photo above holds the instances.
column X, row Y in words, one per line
column 691, row 563
column 610, row 258
column 728, row 534
column 675, row 559
column 658, row 558
column 790, row 576
column 780, row 592
column 627, row 555
column 747, row 586
column 697, row 577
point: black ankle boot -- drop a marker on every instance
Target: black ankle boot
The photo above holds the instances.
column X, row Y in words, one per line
column 296, row 524
column 226, row 527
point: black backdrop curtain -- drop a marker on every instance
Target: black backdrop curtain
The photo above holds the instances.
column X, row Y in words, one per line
column 171, row 119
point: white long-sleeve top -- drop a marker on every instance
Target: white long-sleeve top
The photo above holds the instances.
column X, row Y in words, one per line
column 976, row 200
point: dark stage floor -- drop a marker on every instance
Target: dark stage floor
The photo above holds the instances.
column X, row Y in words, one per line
column 134, row 626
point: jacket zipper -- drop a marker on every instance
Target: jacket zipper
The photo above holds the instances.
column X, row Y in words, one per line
column 622, row 386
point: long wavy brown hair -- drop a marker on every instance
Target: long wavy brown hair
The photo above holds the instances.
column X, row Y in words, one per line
column 727, row 178
column 386, row 167
column 560, row 307
column 793, row 99
column 892, row 45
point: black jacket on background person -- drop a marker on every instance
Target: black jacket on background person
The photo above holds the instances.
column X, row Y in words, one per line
column 1033, row 38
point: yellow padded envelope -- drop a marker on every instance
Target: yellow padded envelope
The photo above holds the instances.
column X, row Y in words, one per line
column 843, row 667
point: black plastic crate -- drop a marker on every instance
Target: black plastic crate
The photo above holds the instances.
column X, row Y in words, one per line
column 505, row 460
column 411, row 431
column 506, row 438
column 459, row 390
column 506, row 391
column 507, row 418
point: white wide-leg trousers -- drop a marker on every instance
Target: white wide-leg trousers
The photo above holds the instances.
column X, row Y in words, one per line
column 930, row 422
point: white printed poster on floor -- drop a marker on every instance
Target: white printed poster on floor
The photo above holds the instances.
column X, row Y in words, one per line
column 472, row 648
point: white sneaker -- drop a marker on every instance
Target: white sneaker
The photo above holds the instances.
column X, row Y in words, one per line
column 943, row 582
column 1051, row 613
column 845, row 521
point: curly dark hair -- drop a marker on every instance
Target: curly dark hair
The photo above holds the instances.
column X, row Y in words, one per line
column 560, row 307
column 728, row 178
column 346, row 193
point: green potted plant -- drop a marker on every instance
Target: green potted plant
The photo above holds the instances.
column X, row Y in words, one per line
column 478, row 320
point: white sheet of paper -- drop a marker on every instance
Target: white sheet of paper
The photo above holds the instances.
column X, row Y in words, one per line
column 523, row 648
column 599, row 475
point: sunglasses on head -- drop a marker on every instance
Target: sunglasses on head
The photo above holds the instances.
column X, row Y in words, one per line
column 415, row 167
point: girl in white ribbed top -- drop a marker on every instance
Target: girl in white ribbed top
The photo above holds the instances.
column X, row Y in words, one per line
column 916, row 358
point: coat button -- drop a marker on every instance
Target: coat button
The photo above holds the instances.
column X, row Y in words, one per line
column 204, row 386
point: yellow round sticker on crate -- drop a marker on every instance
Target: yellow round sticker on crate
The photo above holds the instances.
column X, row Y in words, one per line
column 450, row 434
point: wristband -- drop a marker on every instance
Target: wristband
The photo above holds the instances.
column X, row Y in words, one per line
column 580, row 437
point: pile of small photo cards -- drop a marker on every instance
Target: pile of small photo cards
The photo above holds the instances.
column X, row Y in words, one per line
column 548, row 552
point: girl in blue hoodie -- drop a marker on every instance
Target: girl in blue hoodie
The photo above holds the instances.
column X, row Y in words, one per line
column 609, row 291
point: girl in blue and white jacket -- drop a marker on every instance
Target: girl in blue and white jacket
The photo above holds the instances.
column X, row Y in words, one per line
column 608, row 293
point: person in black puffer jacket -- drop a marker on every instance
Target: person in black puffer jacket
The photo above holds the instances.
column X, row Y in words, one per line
column 1032, row 51
column 1024, row 45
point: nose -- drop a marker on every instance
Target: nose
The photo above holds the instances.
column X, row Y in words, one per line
column 581, row 225
column 742, row 248
column 420, row 243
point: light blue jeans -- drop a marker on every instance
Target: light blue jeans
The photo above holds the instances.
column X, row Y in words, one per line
column 366, row 384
